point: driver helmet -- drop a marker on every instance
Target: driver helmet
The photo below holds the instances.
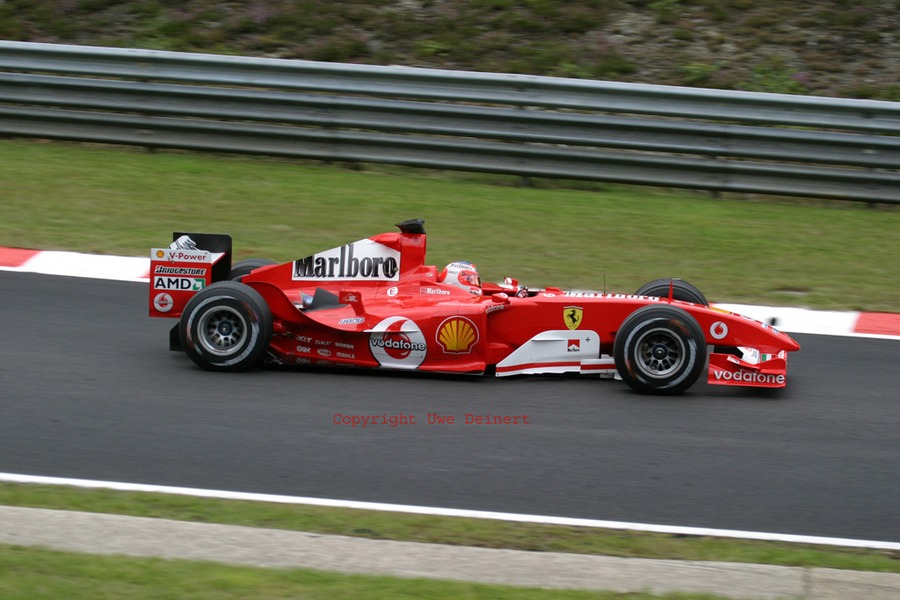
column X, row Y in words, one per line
column 463, row 275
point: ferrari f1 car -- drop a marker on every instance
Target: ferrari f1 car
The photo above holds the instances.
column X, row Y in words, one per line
column 375, row 303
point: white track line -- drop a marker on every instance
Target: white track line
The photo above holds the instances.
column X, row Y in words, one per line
column 449, row 512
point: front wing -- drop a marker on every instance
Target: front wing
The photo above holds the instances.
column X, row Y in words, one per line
column 753, row 369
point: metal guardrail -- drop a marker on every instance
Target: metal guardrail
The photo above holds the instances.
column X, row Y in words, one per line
column 515, row 124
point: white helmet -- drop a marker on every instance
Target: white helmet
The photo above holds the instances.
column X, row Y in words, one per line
column 463, row 275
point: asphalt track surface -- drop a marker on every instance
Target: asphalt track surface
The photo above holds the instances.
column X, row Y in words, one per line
column 89, row 390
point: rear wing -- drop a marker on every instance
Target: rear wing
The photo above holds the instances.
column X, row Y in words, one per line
column 190, row 263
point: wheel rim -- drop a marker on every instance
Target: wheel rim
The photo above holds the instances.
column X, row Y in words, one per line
column 660, row 353
column 221, row 330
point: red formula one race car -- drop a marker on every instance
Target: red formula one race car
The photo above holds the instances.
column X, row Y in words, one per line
column 375, row 303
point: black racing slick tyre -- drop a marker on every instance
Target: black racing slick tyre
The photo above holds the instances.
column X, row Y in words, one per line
column 241, row 268
column 681, row 290
column 660, row 349
column 227, row 326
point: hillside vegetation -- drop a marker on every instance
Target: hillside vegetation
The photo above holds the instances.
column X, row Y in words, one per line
column 846, row 48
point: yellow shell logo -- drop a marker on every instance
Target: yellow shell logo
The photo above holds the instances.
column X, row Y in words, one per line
column 457, row 335
column 160, row 254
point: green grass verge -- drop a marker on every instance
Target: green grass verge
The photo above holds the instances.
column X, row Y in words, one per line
column 772, row 251
column 446, row 530
column 35, row 574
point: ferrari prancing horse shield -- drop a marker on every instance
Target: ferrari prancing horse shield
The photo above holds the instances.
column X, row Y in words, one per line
column 572, row 316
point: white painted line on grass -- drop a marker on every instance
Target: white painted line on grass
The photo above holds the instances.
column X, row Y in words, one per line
column 449, row 512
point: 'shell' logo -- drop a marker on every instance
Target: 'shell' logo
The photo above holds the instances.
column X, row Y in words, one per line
column 457, row 335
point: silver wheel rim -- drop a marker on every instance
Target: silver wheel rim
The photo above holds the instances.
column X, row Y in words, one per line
column 660, row 353
column 221, row 330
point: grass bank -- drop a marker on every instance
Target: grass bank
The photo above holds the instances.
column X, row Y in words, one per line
column 36, row 574
column 829, row 47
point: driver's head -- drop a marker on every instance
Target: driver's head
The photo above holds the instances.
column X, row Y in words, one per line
column 463, row 275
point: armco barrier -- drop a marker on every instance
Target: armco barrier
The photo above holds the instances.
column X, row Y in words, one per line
column 515, row 124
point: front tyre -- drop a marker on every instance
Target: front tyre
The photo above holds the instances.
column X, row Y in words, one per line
column 681, row 290
column 227, row 326
column 660, row 350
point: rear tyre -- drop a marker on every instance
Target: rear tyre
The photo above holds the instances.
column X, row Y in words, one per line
column 660, row 349
column 226, row 327
column 241, row 268
column 681, row 290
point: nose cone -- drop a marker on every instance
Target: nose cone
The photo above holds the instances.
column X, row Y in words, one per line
column 792, row 345
column 780, row 340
